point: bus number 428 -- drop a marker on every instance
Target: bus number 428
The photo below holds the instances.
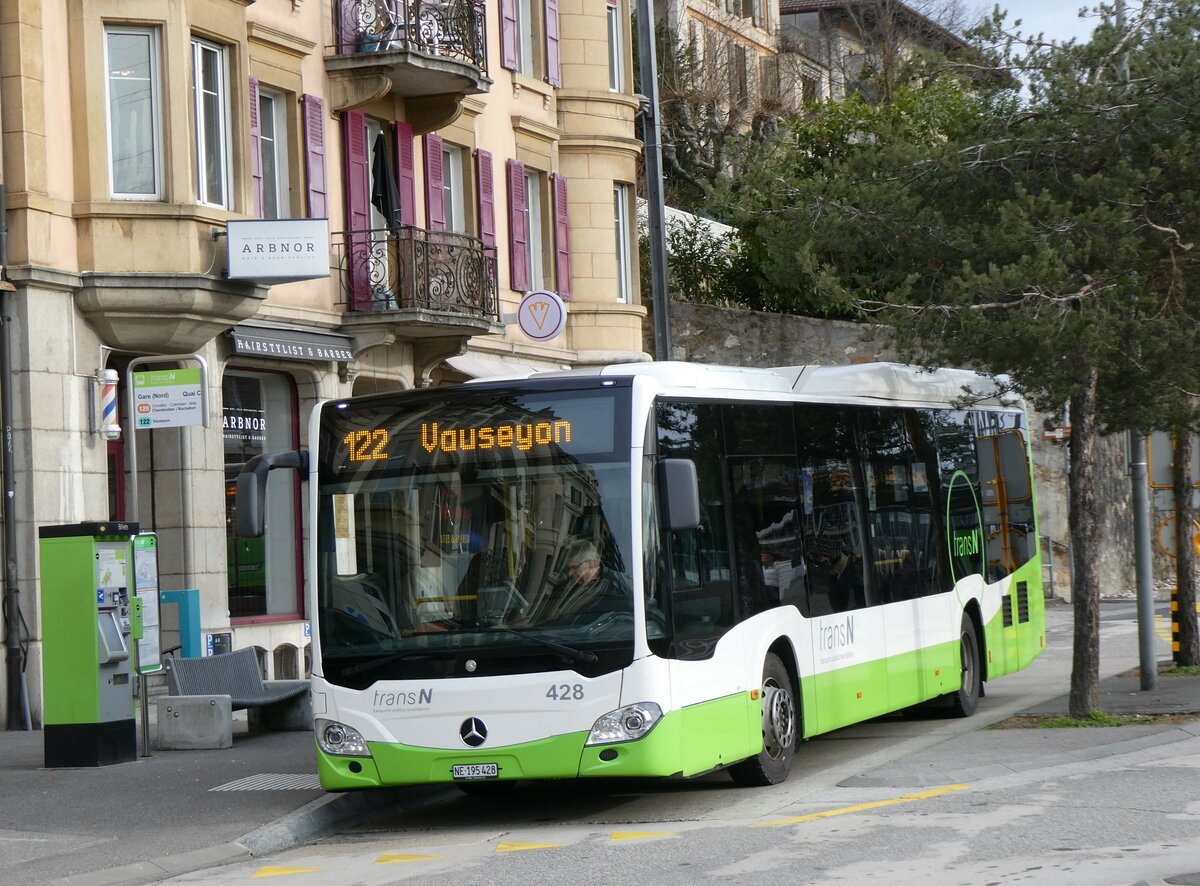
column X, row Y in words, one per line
column 565, row 692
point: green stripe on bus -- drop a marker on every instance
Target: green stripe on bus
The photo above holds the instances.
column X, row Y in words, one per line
column 719, row 732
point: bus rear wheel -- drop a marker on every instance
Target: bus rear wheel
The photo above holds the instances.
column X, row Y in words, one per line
column 780, row 730
column 963, row 702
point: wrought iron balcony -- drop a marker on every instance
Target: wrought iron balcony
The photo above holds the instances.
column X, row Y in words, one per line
column 452, row 30
column 451, row 276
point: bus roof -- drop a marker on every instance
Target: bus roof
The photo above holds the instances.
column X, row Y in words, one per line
column 894, row 383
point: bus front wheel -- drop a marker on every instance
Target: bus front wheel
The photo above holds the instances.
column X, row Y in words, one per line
column 963, row 702
column 779, row 730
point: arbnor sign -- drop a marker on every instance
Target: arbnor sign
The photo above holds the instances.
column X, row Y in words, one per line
column 278, row 250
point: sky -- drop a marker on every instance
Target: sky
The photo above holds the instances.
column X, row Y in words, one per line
column 1057, row 19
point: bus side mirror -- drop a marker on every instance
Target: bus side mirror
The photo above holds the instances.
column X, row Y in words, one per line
column 252, row 488
column 680, row 491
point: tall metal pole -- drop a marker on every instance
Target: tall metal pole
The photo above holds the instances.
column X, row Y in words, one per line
column 1143, row 557
column 655, row 207
column 17, row 702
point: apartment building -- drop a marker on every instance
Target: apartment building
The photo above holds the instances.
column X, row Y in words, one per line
column 727, row 52
column 834, row 42
column 317, row 198
column 748, row 58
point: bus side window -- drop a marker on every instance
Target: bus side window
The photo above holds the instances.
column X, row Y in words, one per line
column 887, row 468
column 702, row 590
column 830, row 509
column 685, row 558
column 928, row 513
column 1005, row 492
column 760, row 443
column 961, row 497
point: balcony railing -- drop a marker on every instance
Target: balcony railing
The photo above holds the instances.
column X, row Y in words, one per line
column 455, row 29
column 411, row 268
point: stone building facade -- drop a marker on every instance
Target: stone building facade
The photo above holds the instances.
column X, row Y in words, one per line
column 451, row 155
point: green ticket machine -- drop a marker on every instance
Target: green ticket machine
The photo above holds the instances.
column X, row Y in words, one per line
column 87, row 589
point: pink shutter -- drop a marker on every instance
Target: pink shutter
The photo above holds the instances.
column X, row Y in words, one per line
column 256, row 172
column 314, row 150
column 508, row 34
column 435, row 182
column 405, row 170
column 518, row 233
column 487, row 197
column 562, row 236
column 358, row 208
column 553, row 63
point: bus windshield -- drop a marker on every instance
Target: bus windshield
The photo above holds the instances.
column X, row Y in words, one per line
column 473, row 532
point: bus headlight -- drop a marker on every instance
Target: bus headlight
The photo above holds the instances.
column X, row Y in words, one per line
column 625, row 724
column 340, row 739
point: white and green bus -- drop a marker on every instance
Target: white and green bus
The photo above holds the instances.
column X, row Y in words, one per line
column 774, row 554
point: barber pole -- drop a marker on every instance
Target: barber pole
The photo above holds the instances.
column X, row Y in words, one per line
column 110, row 429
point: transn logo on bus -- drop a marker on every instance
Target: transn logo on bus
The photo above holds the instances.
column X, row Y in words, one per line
column 966, row 543
column 399, row 701
column 837, row 636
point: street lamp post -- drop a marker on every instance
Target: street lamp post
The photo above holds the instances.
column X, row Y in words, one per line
column 655, row 207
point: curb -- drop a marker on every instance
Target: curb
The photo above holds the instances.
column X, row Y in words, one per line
column 304, row 825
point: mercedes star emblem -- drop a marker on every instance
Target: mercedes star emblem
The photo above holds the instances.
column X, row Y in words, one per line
column 473, row 732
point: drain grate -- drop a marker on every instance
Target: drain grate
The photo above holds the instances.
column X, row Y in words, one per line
column 271, row 781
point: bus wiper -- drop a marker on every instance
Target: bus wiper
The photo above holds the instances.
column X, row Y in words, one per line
column 578, row 656
column 371, row 664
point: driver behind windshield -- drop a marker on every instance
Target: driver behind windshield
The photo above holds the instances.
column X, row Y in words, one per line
column 592, row 589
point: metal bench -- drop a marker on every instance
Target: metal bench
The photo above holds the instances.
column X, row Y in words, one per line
column 195, row 685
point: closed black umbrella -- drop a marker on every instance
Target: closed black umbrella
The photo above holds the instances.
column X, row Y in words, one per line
column 385, row 195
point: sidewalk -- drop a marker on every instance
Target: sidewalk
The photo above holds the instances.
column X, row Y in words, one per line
column 160, row 815
column 1124, row 695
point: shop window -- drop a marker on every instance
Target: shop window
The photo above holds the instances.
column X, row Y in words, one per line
column 259, row 415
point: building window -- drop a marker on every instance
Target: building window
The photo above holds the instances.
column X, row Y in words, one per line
column 526, row 60
column 622, row 229
column 616, row 49
column 259, row 415
column 738, row 82
column 452, row 188
column 134, row 136
column 712, row 52
column 529, row 38
column 272, row 121
column 534, row 219
column 210, row 107
column 810, row 88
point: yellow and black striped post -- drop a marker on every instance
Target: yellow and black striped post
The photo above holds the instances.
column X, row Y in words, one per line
column 1175, row 624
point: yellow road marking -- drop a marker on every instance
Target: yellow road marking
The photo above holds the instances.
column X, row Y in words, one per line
column 639, row 835
column 271, row 871
column 863, row 807
column 396, row 857
column 521, row 847
column 1161, row 627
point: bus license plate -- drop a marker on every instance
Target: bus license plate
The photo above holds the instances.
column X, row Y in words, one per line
column 476, row 770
